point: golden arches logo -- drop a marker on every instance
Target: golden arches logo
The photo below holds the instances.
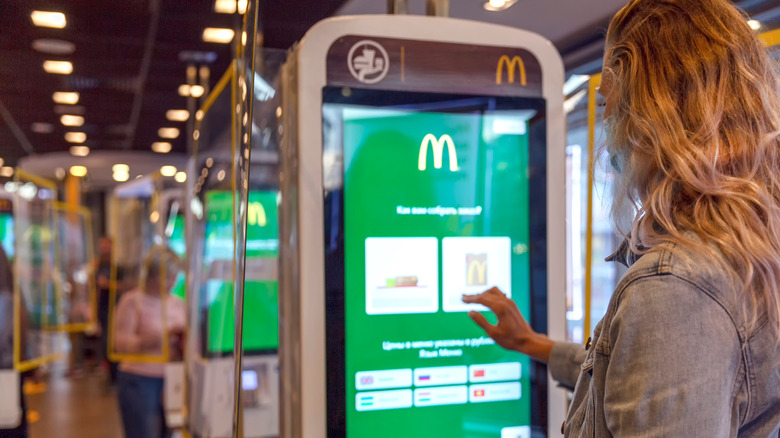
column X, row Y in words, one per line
column 256, row 214
column 437, row 144
column 515, row 62
column 476, row 269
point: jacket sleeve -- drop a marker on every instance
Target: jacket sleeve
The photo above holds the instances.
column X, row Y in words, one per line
column 565, row 361
column 674, row 357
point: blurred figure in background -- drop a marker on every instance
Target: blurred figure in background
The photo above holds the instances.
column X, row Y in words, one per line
column 103, row 283
column 141, row 330
column 7, row 342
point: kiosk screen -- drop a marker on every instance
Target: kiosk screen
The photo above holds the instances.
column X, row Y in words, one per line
column 442, row 195
column 261, row 288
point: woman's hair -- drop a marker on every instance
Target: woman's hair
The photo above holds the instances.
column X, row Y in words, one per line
column 696, row 138
column 160, row 262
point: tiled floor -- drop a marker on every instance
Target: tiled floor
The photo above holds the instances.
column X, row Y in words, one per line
column 74, row 408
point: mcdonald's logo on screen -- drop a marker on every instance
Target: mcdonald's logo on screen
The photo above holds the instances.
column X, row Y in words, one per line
column 256, row 214
column 476, row 269
column 512, row 64
column 437, row 144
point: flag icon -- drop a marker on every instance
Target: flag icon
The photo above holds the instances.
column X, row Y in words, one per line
column 479, row 373
column 479, row 393
column 424, row 378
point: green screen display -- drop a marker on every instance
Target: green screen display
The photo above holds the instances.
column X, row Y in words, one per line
column 436, row 204
column 7, row 234
column 261, row 290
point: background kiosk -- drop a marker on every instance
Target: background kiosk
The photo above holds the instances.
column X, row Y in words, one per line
column 422, row 159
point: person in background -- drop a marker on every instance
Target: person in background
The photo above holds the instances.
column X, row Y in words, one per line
column 7, row 339
column 690, row 343
column 140, row 330
column 103, row 283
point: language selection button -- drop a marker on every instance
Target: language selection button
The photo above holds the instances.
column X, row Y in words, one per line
column 379, row 400
column 435, row 376
column 494, row 372
column 516, row 432
column 491, row 392
column 383, row 379
column 442, row 395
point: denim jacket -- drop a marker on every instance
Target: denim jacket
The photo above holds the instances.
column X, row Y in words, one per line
column 672, row 357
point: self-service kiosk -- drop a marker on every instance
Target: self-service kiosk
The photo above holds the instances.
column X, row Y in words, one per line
column 422, row 159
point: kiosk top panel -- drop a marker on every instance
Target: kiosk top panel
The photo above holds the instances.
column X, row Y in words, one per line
column 430, row 66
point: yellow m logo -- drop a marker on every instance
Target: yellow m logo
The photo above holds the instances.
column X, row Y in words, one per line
column 256, row 214
column 510, row 64
column 437, row 144
column 476, row 269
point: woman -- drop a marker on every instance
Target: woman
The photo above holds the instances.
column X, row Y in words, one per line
column 140, row 331
column 690, row 343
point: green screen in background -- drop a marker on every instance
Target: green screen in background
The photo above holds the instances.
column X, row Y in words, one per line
column 261, row 290
column 422, row 227
column 7, row 234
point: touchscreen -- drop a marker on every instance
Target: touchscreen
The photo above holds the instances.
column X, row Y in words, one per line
column 261, row 288
column 442, row 196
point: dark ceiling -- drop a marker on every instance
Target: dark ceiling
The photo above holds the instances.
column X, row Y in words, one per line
column 126, row 66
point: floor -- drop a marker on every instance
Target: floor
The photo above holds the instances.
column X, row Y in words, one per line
column 65, row 407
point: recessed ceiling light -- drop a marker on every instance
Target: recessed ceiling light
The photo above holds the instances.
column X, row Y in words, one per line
column 55, row 20
column 180, row 177
column 58, row 67
column 229, row 6
column 168, row 171
column 177, row 115
column 121, row 176
column 121, row 168
column 754, row 24
column 219, row 35
column 7, row 171
column 75, row 137
column 71, row 120
column 79, row 151
column 168, row 132
column 498, row 5
column 184, row 90
column 161, row 147
column 197, row 90
column 78, row 171
column 54, row 47
column 66, row 97
column 42, row 128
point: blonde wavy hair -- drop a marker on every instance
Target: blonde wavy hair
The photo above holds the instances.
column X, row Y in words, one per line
column 696, row 138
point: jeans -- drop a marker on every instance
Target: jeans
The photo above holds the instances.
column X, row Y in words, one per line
column 140, row 402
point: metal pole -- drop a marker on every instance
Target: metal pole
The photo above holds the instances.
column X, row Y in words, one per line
column 398, row 7
column 437, row 8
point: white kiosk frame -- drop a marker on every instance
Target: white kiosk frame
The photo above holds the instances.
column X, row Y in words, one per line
column 302, row 292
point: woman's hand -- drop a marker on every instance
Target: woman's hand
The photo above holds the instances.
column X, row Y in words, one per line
column 511, row 331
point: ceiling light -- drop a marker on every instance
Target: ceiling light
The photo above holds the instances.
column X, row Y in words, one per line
column 197, row 90
column 199, row 115
column 42, row 128
column 219, row 35
column 229, row 6
column 78, row 171
column 121, row 176
column 7, row 171
column 71, row 120
column 754, row 24
column 49, row 19
column 184, row 90
column 180, row 177
column 168, row 132
column 221, row 175
column 177, row 115
column 75, row 137
column 154, row 217
column 59, row 173
column 58, row 67
column 498, row 5
column 161, row 147
column 54, row 47
column 66, row 98
column 168, row 171
column 121, row 168
column 79, row 151
column 1, row 162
